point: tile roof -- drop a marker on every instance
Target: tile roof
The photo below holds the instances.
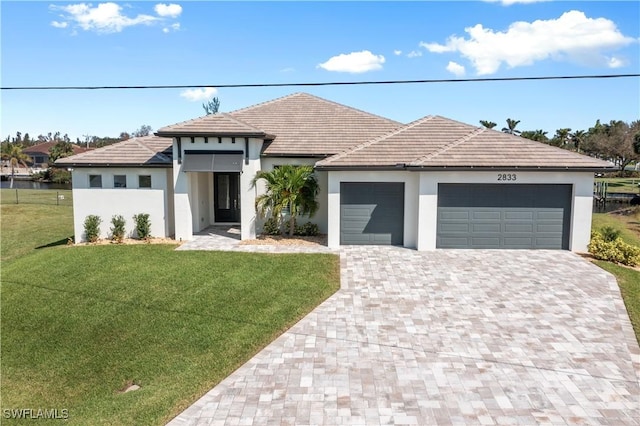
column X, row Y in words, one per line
column 45, row 147
column 437, row 142
column 299, row 124
column 223, row 124
column 142, row 151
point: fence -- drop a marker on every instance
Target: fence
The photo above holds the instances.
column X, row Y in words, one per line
column 56, row 197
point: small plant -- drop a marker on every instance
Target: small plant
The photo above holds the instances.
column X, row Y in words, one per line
column 143, row 226
column 271, row 227
column 117, row 228
column 92, row 227
column 613, row 251
column 308, row 229
column 609, row 233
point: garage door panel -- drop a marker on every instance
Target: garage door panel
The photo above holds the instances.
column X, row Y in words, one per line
column 504, row 216
column 371, row 213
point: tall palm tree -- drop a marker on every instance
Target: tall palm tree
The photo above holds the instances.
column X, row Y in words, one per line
column 578, row 138
column 488, row 124
column 288, row 187
column 12, row 152
column 511, row 127
column 535, row 135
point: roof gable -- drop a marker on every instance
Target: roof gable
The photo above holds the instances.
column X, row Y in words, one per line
column 141, row 151
column 211, row 125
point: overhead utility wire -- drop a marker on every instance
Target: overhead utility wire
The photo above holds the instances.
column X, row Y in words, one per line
column 334, row 83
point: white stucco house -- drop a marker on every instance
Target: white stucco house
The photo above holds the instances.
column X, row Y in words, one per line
column 433, row 183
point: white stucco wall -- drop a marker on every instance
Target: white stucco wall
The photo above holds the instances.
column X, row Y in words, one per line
column 581, row 206
column 320, row 218
column 421, row 200
column 193, row 192
column 411, row 183
column 109, row 201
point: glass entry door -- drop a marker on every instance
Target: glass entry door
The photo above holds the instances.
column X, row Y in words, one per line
column 227, row 197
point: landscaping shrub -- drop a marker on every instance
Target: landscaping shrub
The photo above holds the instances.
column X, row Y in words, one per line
column 92, row 227
column 117, row 228
column 610, row 233
column 613, row 251
column 271, row 227
column 308, row 229
column 143, row 225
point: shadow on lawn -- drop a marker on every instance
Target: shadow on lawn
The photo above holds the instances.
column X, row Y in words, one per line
column 62, row 242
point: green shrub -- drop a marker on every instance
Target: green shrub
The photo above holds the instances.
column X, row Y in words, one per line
column 614, row 251
column 117, row 228
column 308, row 229
column 92, row 228
column 610, row 233
column 271, row 227
column 143, row 226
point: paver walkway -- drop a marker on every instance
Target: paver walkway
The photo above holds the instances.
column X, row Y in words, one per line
column 445, row 337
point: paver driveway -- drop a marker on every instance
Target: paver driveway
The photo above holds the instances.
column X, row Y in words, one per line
column 445, row 337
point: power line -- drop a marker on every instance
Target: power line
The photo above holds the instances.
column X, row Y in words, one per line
column 333, row 83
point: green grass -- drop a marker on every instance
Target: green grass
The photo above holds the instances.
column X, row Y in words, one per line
column 80, row 323
column 629, row 282
column 628, row 185
column 627, row 224
column 60, row 197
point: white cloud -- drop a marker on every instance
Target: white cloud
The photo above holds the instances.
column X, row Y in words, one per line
column 355, row 62
column 57, row 24
column 202, row 94
column 104, row 18
column 397, row 52
column 172, row 27
column 168, row 10
column 456, row 68
column 414, row 54
column 614, row 62
column 572, row 37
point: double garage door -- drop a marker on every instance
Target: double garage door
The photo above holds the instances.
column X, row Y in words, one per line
column 506, row 216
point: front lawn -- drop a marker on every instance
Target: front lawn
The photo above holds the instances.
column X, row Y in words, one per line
column 627, row 221
column 628, row 185
column 79, row 324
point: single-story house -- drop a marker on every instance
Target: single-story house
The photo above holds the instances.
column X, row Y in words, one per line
column 433, row 183
column 39, row 153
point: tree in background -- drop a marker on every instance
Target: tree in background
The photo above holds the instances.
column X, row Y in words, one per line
column 288, row 187
column 615, row 141
column 511, row 127
column 578, row 138
column 562, row 137
column 535, row 135
column 144, row 130
column 12, row 152
column 212, row 106
column 488, row 124
column 60, row 150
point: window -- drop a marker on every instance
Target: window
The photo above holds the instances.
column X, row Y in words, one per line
column 144, row 181
column 95, row 181
column 120, row 181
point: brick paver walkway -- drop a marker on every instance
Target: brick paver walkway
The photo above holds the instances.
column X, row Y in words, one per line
column 445, row 337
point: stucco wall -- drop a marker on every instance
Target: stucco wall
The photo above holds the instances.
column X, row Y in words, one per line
column 320, row 218
column 109, row 201
column 421, row 200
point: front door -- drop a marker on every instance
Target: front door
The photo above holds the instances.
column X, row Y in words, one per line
column 227, row 197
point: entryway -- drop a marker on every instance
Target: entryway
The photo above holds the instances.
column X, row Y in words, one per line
column 226, row 197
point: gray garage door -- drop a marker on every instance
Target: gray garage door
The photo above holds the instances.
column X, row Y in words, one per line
column 371, row 213
column 504, row 216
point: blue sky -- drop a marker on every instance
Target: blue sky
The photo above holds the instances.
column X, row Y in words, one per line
column 215, row 43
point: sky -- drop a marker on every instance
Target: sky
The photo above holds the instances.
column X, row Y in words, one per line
column 207, row 43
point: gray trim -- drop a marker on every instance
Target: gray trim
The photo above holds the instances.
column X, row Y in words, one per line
column 128, row 165
column 468, row 168
column 196, row 134
column 212, row 161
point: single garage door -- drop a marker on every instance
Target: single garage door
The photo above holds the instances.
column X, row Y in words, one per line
column 509, row 216
column 371, row 213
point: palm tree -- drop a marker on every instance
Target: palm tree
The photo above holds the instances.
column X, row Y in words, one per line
column 288, row 187
column 12, row 152
column 488, row 124
column 578, row 138
column 535, row 135
column 511, row 127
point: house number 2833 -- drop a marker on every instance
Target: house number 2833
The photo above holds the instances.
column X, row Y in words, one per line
column 506, row 177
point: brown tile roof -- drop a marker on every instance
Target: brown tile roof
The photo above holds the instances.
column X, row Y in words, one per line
column 437, row 142
column 299, row 124
column 223, row 124
column 43, row 148
column 142, row 151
